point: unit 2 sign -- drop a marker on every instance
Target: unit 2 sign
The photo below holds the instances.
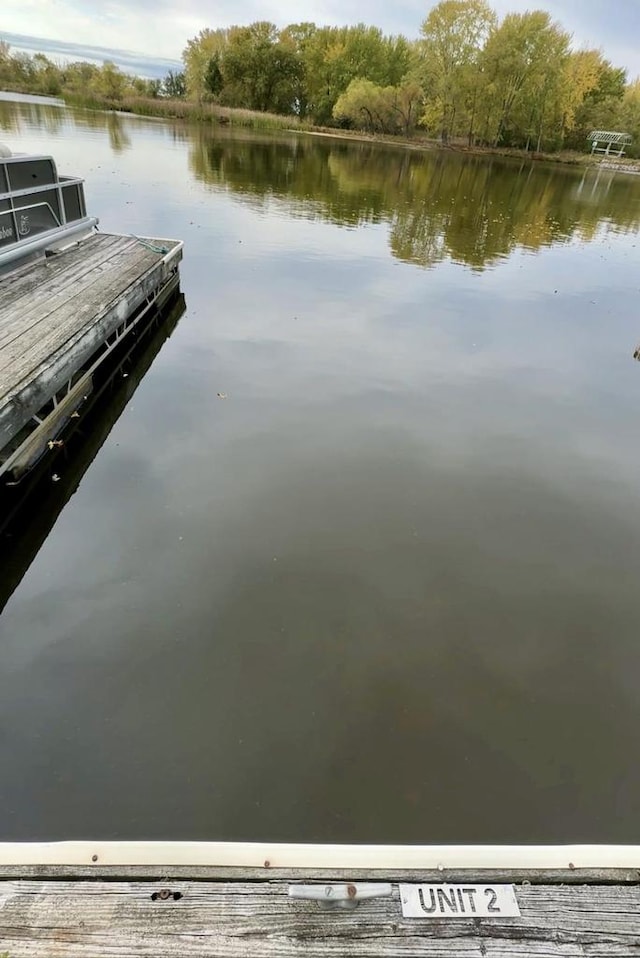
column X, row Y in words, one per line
column 459, row 901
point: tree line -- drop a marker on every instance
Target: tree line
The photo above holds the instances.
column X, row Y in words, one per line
column 469, row 76
column 511, row 82
column 25, row 73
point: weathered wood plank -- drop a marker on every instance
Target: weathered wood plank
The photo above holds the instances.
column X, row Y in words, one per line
column 533, row 876
column 120, row 293
column 23, row 280
column 48, row 287
column 78, row 919
column 54, row 316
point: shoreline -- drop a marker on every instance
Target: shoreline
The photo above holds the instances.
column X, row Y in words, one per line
column 213, row 114
column 565, row 158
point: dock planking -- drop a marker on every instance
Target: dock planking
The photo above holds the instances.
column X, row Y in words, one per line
column 181, row 918
column 62, row 314
column 124, row 900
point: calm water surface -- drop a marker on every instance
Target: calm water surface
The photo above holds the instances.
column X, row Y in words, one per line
column 386, row 590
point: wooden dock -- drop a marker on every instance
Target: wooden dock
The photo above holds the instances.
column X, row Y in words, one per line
column 258, row 901
column 59, row 320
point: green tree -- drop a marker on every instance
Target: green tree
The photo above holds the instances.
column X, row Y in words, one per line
column 298, row 36
column 110, row 82
column 521, row 63
column 260, row 70
column 6, row 67
column 22, row 73
column 400, row 60
column 47, row 76
column 143, row 87
column 79, row 77
column 453, row 36
column 363, row 106
column 334, row 56
column 406, row 104
column 538, row 111
column 197, row 57
column 390, row 109
column 214, row 80
column 629, row 116
column 174, row 85
column 600, row 107
column 583, row 71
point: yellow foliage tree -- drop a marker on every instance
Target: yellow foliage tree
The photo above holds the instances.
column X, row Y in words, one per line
column 208, row 45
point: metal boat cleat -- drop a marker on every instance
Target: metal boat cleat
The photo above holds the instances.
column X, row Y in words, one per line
column 341, row 895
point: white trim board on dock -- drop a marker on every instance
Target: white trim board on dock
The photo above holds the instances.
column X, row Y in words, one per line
column 272, row 855
column 237, row 900
column 60, row 317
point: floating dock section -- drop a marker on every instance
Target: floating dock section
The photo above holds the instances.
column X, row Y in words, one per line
column 197, row 899
column 60, row 318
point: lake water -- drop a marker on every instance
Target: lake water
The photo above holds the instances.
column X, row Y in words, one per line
column 386, row 589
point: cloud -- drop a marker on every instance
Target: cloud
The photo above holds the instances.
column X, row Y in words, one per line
column 160, row 28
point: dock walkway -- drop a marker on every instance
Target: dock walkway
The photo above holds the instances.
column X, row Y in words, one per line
column 247, row 910
column 59, row 319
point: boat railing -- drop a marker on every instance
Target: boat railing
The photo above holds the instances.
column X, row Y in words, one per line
column 38, row 207
column 61, row 183
column 67, row 196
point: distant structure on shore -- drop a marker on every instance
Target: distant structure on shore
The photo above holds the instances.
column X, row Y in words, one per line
column 609, row 142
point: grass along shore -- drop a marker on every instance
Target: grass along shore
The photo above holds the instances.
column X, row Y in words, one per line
column 170, row 109
column 175, row 109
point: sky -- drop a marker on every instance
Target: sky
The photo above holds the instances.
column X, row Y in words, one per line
column 160, row 28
